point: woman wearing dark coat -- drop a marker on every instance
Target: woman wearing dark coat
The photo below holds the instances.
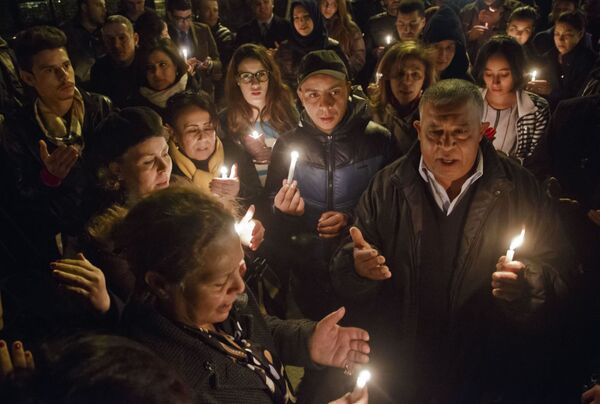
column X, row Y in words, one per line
column 190, row 306
column 308, row 34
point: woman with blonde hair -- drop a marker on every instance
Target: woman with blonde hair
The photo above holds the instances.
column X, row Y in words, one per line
column 405, row 71
column 342, row 28
column 260, row 106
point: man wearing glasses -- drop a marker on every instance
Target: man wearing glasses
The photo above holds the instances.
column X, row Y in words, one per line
column 197, row 40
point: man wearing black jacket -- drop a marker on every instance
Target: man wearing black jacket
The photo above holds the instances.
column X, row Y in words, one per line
column 266, row 28
column 42, row 142
column 425, row 268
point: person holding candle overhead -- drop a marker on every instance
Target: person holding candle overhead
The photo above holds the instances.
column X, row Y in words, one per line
column 424, row 265
column 519, row 118
column 339, row 149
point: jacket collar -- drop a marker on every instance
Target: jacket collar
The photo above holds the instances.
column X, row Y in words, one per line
column 524, row 103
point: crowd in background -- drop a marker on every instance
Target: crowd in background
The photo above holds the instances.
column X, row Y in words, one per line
column 188, row 200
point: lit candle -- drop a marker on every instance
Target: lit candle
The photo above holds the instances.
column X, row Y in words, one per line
column 486, row 24
column 514, row 244
column 184, row 51
column 492, row 10
column 363, row 377
column 388, row 39
column 224, row 172
column 294, row 156
column 378, row 77
column 255, row 134
column 245, row 227
column 533, row 75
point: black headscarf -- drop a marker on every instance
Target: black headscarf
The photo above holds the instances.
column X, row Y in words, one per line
column 318, row 37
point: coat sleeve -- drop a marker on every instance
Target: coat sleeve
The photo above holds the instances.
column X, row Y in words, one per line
column 357, row 53
column 216, row 72
column 348, row 285
column 291, row 339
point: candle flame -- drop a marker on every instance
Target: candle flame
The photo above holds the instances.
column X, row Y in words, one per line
column 255, row 134
column 388, row 39
column 295, row 155
column 517, row 241
column 363, row 377
column 533, row 75
column 224, row 172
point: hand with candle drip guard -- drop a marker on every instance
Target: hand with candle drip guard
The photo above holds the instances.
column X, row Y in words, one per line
column 226, row 186
column 255, row 145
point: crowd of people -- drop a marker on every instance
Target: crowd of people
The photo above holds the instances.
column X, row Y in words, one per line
column 193, row 202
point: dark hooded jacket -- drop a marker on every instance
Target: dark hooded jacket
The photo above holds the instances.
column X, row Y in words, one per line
column 332, row 172
column 569, row 78
column 290, row 52
column 480, row 334
column 445, row 25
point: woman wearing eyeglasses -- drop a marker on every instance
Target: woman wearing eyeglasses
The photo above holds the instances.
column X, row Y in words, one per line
column 260, row 106
column 215, row 165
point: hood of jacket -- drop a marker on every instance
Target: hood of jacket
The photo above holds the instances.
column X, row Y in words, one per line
column 445, row 25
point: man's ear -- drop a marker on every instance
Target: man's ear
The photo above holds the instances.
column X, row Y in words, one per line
column 170, row 131
column 300, row 95
column 136, row 39
column 27, row 77
column 417, row 125
column 157, row 284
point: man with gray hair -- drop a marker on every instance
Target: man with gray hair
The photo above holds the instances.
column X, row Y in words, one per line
column 425, row 271
column 114, row 74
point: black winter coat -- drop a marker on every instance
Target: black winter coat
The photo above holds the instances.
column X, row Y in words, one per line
column 213, row 376
column 45, row 211
column 332, row 172
column 483, row 335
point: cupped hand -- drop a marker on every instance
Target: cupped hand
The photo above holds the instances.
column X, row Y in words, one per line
column 81, row 277
column 341, row 347
column 60, row 162
column 368, row 263
column 331, row 223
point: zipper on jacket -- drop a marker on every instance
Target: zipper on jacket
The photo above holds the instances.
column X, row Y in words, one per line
column 330, row 166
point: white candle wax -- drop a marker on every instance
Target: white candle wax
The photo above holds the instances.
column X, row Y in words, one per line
column 294, row 155
column 514, row 244
column 378, row 77
column 533, row 75
column 245, row 227
column 486, row 24
column 363, row 377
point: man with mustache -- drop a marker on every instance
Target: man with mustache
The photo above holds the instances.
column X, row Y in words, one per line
column 425, row 266
column 42, row 141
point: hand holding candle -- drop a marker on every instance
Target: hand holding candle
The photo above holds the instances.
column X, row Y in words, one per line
column 294, row 159
column 226, row 185
column 255, row 144
column 508, row 282
column 251, row 231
